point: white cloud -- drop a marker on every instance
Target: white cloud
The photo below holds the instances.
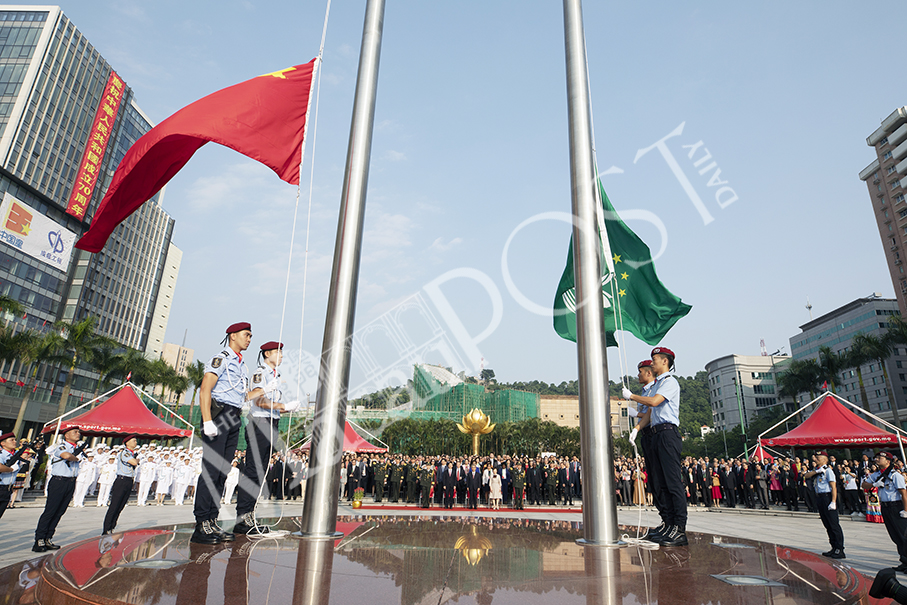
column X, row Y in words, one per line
column 393, row 156
column 439, row 246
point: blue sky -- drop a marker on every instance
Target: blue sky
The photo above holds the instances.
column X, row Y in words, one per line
column 471, row 141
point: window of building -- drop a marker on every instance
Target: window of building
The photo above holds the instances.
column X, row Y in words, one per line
column 894, row 184
column 899, row 198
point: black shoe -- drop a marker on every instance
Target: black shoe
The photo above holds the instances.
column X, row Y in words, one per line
column 39, row 546
column 902, row 568
column 247, row 525
column 675, row 536
column 225, row 536
column 655, row 532
column 205, row 534
column 48, row 545
column 838, row 553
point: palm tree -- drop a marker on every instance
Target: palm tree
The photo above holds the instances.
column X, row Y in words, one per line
column 80, row 342
column 11, row 306
column 879, row 348
column 831, row 365
column 106, row 362
column 855, row 358
column 37, row 351
column 195, row 374
column 134, row 366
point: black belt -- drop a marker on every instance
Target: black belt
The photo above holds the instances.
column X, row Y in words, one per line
column 647, row 430
column 663, row 427
column 892, row 503
column 125, row 477
column 62, row 478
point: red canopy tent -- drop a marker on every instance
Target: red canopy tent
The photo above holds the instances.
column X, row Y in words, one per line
column 759, row 454
column 121, row 415
column 833, row 425
column 352, row 442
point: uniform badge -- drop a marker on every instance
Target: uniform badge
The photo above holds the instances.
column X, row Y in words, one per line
column 256, row 378
column 215, row 363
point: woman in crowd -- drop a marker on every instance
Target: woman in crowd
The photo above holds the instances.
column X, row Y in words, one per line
column 494, row 490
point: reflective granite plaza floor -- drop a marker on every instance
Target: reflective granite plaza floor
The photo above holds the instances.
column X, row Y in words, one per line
column 422, row 560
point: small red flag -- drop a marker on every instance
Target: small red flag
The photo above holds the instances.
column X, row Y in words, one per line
column 19, row 383
column 128, row 376
column 2, row 380
column 263, row 118
column 825, row 385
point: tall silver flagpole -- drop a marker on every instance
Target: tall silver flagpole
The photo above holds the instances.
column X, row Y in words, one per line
column 599, row 507
column 319, row 513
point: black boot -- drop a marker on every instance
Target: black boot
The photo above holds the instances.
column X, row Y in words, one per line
column 675, row 536
column 655, row 532
column 225, row 536
column 39, row 546
column 205, row 534
column 48, row 545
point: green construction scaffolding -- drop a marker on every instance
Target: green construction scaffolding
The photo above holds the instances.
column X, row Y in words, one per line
column 434, row 400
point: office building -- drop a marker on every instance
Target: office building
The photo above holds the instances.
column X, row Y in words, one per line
column 886, row 178
column 836, row 330
column 745, row 386
column 66, row 120
column 179, row 359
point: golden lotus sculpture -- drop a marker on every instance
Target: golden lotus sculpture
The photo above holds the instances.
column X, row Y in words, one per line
column 476, row 423
column 473, row 546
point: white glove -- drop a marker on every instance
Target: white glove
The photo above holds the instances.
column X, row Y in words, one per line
column 879, row 483
column 291, row 406
column 903, row 514
column 633, row 434
column 209, row 429
column 272, row 386
column 626, row 393
column 833, row 506
column 632, row 413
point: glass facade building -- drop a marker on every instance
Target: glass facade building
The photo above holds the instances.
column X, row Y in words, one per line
column 51, row 85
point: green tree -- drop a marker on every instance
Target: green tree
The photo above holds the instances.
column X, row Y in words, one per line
column 36, row 351
column 879, row 349
column 80, row 343
column 859, row 354
column 831, row 365
column 195, row 373
column 105, row 361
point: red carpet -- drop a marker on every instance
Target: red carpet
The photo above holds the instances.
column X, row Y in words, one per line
column 482, row 509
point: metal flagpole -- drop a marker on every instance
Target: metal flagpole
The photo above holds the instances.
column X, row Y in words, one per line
column 319, row 514
column 599, row 507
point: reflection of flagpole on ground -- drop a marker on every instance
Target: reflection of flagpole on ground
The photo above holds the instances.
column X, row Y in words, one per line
column 314, row 563
column 602, row 564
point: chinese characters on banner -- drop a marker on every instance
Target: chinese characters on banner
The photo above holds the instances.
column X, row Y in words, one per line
column 90, row 168
column 26, row 229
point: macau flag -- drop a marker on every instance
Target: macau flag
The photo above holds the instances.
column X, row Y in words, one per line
column 647, row 309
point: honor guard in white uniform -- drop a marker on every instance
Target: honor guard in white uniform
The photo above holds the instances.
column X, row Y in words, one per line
column 893, row 500
column 261, row 433
column 88, row 474
column 63, row 460
column 221, row 398
column 147, row 475
column 107, row 474
column 122, row 485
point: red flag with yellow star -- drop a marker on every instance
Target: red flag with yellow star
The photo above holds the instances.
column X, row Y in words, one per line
column 263, row 118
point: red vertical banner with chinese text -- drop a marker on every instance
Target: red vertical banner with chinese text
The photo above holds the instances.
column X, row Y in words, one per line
column 98, row 137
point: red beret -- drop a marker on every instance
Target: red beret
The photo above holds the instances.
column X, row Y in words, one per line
column 239, row 327
column 128, row 437
column 663, row 351
column 645, row 363
column 6, row 436
column 888, row 455
column 271, row 345
column 822, row 453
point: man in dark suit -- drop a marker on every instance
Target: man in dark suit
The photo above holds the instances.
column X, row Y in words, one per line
column 575, row 471
column 473, row 484
column 506, row 482
column 534, row 477
column 449, row 484
column 565, row 483
column 730, row 487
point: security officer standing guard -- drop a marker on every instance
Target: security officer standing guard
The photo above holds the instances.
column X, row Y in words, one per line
column 262, row 432
column 893, row 499
column 380, row 470
column 64, row 468
column 425, row 480
column 519, row 485
column 396, row 478
column 826, row 501
column 665, row 446
column 9, row 466
column 221, row 399
column 122, row 485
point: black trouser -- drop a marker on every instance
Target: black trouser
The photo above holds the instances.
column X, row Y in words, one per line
column 119, row 496
column 535, row 492
column 59, row 493
column 260, row 435
column 730, row 494
column 790, row 495
column 896, row 526
column 379, row 489
column 830, row 521
column 217, row 458
column 5, row 495
column 653, row 485
column 666, row 445
column 393, row 490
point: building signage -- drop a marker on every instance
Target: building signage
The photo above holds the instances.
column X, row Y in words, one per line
column 90, row 168
column 23, row 227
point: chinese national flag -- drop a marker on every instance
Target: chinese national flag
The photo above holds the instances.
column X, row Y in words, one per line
column 263, row 118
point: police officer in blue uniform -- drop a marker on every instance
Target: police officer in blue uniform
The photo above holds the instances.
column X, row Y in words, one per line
column 262, row 433
column 643, row 414
column 122, row 485
column 664, row 451
column 10, row 460
column 893, row 499
column 826, row 502
column 64, row 468
column 221, row 398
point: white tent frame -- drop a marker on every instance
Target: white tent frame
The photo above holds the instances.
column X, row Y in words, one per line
column 59, row 419
column 751, row 451
column 899, row 432
column 354, row 425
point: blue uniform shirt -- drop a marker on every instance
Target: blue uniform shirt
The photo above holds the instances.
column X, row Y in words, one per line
column 7, row 479
column 889, row 490
column 641, row 407
column 669, row 410
column 60, row 467
column 268, row 379
column 824, row 480
column 232, row 382
column 124, row 469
